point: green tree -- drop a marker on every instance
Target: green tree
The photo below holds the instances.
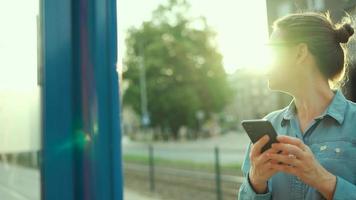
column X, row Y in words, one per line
column 184, row 72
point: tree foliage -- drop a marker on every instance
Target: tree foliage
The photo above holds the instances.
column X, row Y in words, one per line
column 183, row 68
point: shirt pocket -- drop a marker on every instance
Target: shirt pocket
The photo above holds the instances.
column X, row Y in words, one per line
column 344, row 150
column 338, row 157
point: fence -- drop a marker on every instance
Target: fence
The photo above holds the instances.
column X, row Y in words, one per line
column 199, row 169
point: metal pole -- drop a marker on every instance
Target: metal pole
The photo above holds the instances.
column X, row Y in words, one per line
column 219, row 195
column 151, row 165
column 143, row 90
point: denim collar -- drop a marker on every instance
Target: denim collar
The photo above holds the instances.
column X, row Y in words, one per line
column 336, row 109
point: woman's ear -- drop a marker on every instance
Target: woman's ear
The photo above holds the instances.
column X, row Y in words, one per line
column 302, row 53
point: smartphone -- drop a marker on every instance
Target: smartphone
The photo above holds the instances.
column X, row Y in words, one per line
column 257, row 128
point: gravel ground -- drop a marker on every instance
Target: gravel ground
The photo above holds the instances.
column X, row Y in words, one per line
column 135, row 194
column 178, row 188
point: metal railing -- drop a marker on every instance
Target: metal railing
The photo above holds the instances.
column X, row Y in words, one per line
column 215, row 174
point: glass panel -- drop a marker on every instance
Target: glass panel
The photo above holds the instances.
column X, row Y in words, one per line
column 20, row 132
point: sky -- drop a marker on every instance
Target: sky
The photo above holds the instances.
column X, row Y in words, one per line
column 18, row 39
column 19, row 91
column 241, row 27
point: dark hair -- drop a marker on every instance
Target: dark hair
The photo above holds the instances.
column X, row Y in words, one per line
column 325, row 40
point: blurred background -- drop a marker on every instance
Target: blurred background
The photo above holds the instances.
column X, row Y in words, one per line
column 189, row 72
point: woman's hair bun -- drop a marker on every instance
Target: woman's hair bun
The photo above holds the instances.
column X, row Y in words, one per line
column 344, row 32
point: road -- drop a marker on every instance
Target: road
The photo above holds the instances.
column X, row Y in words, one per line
column 232, row 149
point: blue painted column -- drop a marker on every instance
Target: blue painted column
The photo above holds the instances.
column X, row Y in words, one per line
column 81, row 125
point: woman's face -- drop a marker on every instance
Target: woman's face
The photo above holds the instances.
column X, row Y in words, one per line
column 282, row 67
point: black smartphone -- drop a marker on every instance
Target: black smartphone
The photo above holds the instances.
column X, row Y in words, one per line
column 257, row 128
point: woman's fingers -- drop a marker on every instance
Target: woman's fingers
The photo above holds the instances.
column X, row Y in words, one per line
column 257, row 147
column 285, row 159
column 286, row 168
column 264, row 158
column 289, row 149
column 291, row 140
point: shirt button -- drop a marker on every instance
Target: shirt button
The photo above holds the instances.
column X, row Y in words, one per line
column 322, row 148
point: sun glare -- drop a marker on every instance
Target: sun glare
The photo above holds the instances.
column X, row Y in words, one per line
column 245, row 46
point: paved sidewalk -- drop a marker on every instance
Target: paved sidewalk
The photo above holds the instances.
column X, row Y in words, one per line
column 19, row 183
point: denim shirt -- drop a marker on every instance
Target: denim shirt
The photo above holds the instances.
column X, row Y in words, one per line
column 332, row 139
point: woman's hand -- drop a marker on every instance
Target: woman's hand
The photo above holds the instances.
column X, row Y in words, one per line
column 261, row 169
column 297, row 159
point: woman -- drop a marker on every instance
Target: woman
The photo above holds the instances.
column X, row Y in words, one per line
column 317, row 131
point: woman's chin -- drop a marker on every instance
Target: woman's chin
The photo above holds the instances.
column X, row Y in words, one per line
column 278, row 86
column 272, row 85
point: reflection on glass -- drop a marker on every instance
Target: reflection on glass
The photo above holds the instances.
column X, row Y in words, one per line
column 20, row 132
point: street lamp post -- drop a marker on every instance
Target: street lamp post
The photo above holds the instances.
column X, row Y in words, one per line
column 145, row 119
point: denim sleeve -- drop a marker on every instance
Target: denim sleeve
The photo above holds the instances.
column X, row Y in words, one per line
column 344, row 190
column 246, row 192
